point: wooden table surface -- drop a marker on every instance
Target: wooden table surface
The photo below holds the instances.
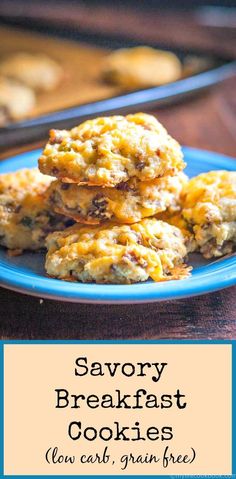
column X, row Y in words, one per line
column 204, row 122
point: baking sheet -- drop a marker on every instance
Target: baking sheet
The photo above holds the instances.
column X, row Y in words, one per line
column 83, row 94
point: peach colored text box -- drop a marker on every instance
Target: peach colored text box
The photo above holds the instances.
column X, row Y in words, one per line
column 33, row 425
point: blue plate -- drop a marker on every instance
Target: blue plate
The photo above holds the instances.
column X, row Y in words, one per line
column 26, row 273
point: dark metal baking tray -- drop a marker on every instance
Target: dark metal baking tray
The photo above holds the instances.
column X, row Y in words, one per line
column 35, row 129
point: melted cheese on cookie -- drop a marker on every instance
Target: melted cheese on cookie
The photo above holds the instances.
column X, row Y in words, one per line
column 129, row 202
column 110, row 150
column 117, row 254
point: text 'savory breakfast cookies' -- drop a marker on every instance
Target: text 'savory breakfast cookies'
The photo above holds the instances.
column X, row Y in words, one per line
column 128, row 202
column 110, row 150
column 117, row 253
column 25, row 218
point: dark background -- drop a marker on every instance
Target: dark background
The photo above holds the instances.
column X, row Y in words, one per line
column 146, row 4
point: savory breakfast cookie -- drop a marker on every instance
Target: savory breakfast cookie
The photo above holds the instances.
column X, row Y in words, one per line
column 110, row 150
column 128, row 202
column 209, row 207
column 25, row 218
column 34, row 70
column 16, row 101
column 141, row 67
column 117, row 253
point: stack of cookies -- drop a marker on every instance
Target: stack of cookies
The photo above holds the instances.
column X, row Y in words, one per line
column 114, row 175
column 112, row 205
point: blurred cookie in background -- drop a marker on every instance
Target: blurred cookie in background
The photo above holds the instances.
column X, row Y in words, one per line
column 141, row 67
column 37, row 71
column 16, row 101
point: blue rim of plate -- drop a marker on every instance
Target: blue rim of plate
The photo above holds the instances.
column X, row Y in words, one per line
column 205, row 279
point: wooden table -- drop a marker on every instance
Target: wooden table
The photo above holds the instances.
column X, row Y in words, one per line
column 204, row 122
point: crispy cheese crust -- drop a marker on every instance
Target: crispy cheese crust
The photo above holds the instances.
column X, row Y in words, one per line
column 117, row 254
column 110, row 150
column 129, row 202
column 209, row 207
column 37, row 71
column 141, row 67
column 25, row 218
